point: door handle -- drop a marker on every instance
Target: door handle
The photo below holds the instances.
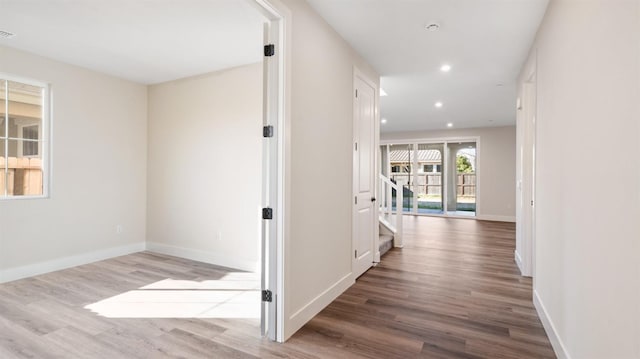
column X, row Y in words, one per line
column 373, row 199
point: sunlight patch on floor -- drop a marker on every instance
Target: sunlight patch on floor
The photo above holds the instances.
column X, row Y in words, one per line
column 236, row 295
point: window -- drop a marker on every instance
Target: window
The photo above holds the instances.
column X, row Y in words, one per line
column 402, row 168
column 30, row 148
column 23, row 125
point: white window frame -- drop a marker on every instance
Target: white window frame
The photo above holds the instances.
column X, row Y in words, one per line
column 44, row 142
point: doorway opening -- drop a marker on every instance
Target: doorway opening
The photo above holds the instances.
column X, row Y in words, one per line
column 215, row 173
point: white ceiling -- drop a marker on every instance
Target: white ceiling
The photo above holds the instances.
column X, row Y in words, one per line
column 485, row 41
column 152, row 41
column 147, row 41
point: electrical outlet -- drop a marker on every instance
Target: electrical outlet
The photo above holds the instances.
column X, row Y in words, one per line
column 119, row 229
column 219, row 236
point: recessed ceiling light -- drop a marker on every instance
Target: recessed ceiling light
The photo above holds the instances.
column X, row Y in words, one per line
column 6, row 34
column 445, row 68
column 383, row 93
column 439, row 104
column 383, row 121
column 432, row 26
column 449, row 124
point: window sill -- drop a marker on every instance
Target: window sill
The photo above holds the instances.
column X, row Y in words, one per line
column 22, row 198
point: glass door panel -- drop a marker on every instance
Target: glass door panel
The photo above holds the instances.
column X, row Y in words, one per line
column 429, row 178
column 401, row 160
column 462, row 178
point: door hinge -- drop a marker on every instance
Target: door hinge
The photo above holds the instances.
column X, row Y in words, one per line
column 267, row 296
column 267, row 131
column 356, row 254
column 356, row 199
column 356, row 146
column 267, row 213
column 532, row 203
column 356, row 93
column 269, row 50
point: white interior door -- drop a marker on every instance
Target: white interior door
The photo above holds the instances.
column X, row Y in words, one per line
column 525, row 210
column 364, row 220
column 530, row 184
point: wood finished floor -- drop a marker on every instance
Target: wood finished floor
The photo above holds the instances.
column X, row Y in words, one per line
column 452, row 292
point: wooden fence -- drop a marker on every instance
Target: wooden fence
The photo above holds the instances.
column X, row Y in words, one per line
column 431, row 183
column 24, row 176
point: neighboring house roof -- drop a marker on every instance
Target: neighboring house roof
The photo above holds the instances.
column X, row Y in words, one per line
column 423, row 156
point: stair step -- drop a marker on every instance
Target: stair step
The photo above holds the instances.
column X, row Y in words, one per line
column 386, row 243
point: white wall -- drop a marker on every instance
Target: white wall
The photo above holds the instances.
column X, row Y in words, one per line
column 318, row 250
column 318, row 244
column 497, row 166
column 205, row 167
column 587, row 257
column 99, row 172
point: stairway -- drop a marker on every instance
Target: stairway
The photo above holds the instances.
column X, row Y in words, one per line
column 386, row 237
column 385, row 243
column 389, row 219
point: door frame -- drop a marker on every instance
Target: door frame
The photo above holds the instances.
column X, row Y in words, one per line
column 526, row 211
column 360, row 75
column 276, row 176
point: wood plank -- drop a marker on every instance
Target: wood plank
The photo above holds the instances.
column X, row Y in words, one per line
column 453, row 291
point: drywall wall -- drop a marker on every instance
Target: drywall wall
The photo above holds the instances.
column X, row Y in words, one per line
column 587, row 254
column 205, row 167
column 318, row 248
column 497, row 166
column 98, row 172
column 318, row 244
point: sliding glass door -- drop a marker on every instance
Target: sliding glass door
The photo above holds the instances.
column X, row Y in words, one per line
column 437, row 177
column 401, row 172
column 461, row 196
column 429, row 178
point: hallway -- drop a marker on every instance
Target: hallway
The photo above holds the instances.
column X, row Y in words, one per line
column 453, row 291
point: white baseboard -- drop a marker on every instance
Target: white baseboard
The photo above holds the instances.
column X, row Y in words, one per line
column 302, row 316
column 552, row 333
column 11, row 274
column 490, row 217
column 205, row 257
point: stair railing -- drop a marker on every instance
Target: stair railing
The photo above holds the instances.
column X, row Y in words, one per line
column 391, row 204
